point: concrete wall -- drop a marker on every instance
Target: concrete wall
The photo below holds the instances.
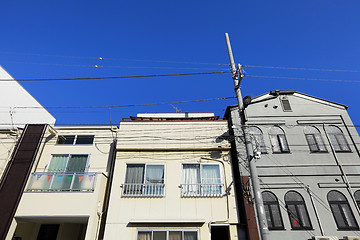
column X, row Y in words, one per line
column 281, row 172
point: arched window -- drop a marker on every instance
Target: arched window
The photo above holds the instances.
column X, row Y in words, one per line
column 357, row 197
column 341, row 211
column 337, row 139
column 257, row 139
column 298, row 214
column 278, row 140
column 272, row 211
column 314, row 139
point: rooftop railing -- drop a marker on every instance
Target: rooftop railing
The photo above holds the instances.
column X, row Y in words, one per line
column 62, row 182
column 143, row 190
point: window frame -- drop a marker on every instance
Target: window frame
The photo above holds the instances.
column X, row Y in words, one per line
column 280, row 137
column 257, row 146
column 167, row 230
column 222, row 192
column 317, row 144
column 123, row 194
column 87, row 166
column 74, row 142
column 296, row 204
column 341, row 209
column 338, row 137
column 276, row 204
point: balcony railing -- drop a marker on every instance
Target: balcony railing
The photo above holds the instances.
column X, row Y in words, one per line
column 62, row 182
column 202, row 190
column 143, row 190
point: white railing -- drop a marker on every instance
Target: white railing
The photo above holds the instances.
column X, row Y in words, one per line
column 62, row 182
column 143, row 190
column 202, row 190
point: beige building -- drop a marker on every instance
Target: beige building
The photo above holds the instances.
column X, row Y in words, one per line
column 172, row 179
column 64, row 195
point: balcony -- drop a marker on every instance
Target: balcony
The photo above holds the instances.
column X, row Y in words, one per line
column 143, row 190
column 62, row 182
column 202, row 190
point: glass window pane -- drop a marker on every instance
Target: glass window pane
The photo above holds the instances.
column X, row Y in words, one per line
column 190, row 235
column 268, row 216
column 65, row 139
column 312, row 143
column 320, row 143
column 77, row 163
column 304, row 218
column 159, row 235
column 135, row 173
column 340, row 221
column 283, row 143
column 294, row 219
column 342, row 142
column 210, row 179
column 275, row 211
column 85, row 139
column 191, row 179
column 349, row 217
column 175, row 235
column 144, row 236
column 336, row 196
column 293, row 196
column 275, row 143
column 334, row 142
column 58, row 163
column 154, row 174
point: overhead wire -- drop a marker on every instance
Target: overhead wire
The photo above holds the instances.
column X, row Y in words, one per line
column 305, row 79
column 115, row 77
column 305, row 69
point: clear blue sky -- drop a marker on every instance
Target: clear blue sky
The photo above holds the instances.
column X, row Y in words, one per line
column 309, row 34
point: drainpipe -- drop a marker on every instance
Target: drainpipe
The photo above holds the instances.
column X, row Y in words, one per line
column 315, row 210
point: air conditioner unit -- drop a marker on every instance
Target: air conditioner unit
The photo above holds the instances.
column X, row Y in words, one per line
column 325, row 238
column 351, row 238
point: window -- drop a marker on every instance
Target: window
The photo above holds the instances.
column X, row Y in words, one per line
column 314, row 139
column 75, row 139
column 285, row 104
column 337, row 139
column 163, row 234
column 272, row 211
column 278, row 140
column 257, row 140
column 341, row 211
column 357, row 197
column 68, row 163
column 201, row 180
column 298, row 214
column 144, row 180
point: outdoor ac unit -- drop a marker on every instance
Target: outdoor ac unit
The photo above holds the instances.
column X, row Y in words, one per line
column 351, row 238
column 325, row 238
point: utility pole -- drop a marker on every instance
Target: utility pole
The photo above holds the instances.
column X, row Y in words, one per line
column 237, row 77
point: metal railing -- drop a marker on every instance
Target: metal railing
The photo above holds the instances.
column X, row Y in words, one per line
column 202, row 190
column 143, row 190
column 62, row 182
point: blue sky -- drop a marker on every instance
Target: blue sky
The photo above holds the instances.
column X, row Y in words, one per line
column 58, row 39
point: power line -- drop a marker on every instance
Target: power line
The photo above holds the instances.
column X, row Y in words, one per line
column 114, row 59
column 306, row 69
column 103, row 66
column 306, row 79
column 136, row 105
column 117, row 77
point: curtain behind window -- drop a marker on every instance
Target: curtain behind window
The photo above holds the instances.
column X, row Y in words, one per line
column 190, row 235
column 58, row 163
column 144, row 236
column 191, row 178
column 211, row 179
column 77, row 164
column 175, row 235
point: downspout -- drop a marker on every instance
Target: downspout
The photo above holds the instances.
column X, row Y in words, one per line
column 315, row 210
column 344, row 176
column 103, row 214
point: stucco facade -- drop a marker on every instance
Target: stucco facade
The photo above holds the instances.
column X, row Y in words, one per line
column 304, row 147
column 61, row 196
column 174, row 144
